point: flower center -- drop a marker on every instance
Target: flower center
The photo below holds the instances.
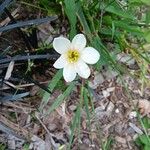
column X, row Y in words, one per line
column 73, row 56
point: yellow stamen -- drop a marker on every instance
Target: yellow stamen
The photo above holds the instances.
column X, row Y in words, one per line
column 73, row 56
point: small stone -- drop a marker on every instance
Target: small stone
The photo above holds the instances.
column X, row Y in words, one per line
column 133, row 114
column 135, row 128
column 120, row 139
column 105, row 93
column 111, row 89
column 110, row 107
column 99, row 111
column 125, row 58
column 110, row 74
column 128, row 138
column 52, row 127
column 72, row 107
column 117, row 111
column 11, row 142
column 98, row 79
column 86, row 141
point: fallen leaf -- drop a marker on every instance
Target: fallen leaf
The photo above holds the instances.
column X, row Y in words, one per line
column 144, row 106
column 98, row 79
column 9, row 70
column 120, row 139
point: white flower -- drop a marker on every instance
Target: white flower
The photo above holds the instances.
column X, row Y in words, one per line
column 74, row 57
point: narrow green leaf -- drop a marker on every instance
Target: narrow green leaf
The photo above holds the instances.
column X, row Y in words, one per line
column 75, row 123
column 146, row 122
column 143, row 138
column 51, row 87
column 146, row 147
column 147, row 35
column 77, row 119
column 139, row 2
column 70, row 9
column 147, row 19
column 113, row 30
column 107, row 144
column 59, row 100
column 117, row 11
column 82, row 20
column 86, row 102
column 129, row 28
column 55, row 80
column 146, row 2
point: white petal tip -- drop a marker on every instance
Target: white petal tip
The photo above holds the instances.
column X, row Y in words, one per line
column 69, row 73
column 79, row 41
column 61, row 44
column 90, row 55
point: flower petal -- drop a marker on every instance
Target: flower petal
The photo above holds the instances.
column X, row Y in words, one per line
column 90, row 55
column 60, row 62
column 69, row 72
column 61, row 44
column 82, row 69
column 79, row 42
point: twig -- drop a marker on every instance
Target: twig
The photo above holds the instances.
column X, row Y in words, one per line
column 27, row 23
column 49, row 134
column 11, row 128
column 31, row 57
column 5, row 4
column 24, row 36
column 22, row 86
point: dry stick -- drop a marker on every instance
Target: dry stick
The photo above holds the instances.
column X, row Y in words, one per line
column 11, row 128
column 24, row 36
column 22, row 85
column 50, row 134
column 31, row 57
column 3, row 5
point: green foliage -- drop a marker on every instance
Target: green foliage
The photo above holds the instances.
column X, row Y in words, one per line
column 70, row 6
column 107, row 144
column 2, row 146
column 140, row 2
column 75, row 125
column 146, row 122
column 143, row 142
column 51, row 87
column 86, row 103
column 26, row 146
column 116, row 20
column 51, row 7
column 59, row 100
column 76, row 119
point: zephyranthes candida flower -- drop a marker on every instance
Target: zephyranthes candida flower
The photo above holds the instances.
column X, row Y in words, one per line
column 74, row 57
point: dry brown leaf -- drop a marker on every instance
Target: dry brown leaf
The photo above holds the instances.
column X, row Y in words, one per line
column 9, row 70
column 7, row 20
column 144, row 106
column 15, row 129
column 120, row 139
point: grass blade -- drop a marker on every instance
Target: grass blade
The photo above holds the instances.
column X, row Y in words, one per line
column 86, row 102
column 59, row 100
column 75, row 123
column 51, row 87
column 70, row 9
column 77, row 119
